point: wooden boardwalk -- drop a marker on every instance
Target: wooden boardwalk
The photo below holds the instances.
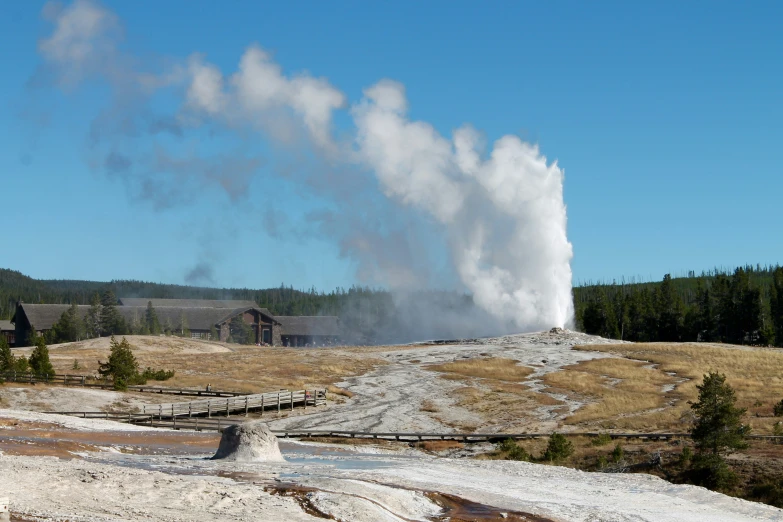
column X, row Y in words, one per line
column 169, row 415
column 279, row 400
column 89, row 381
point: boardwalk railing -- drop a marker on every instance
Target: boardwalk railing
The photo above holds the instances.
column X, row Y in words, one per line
column 89, row 381
column 279, row 400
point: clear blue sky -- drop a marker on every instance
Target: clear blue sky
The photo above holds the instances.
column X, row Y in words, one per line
column 666, row 116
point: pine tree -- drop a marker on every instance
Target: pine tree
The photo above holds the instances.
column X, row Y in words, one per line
column 241, row 332
column 92, row 321
column 39, row 361
column 705, row 321
column 110, row 318
column 151, row 319
column 32, row 336
column 776, row 305
column 718, row 424
column 599, row 318
column 670, row 311
column 68, row 328
column 122, row 366
column 6, row 357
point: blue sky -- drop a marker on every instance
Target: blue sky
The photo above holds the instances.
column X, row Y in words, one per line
column 667, row 118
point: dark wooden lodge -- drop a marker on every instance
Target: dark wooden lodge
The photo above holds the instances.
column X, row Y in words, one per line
column 8, row 331
column 202, row 318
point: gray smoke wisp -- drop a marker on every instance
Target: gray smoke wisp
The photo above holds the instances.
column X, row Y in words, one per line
column 393, row 183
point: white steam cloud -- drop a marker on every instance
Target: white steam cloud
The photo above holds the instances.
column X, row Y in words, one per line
column 500, row 210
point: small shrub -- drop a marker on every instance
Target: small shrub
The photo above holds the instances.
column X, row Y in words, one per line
column 777, row 429
column 617, row 453
column 711, row 471
column 75, row 365
column 6, row 357
column 21, row 365
column 769, row 491
column 601, row 440
column 39, row 361
column 778, row 409
column 602, row 462
column 122, row 365
column 558, row 448
column 157, row 375
column 513, row 450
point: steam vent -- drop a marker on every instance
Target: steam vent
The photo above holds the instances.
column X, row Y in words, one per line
column 249, row 442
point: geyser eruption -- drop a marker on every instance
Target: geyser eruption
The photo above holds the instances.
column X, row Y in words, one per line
column 504, row 214
column 500, row 211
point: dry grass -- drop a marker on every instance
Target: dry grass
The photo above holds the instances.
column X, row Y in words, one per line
column 505, row 409
column 224, row 366
column 621, row 393
column 754, row 373
column 491, row 368
column 435, row 446
column 429, row 406
column 339, row 391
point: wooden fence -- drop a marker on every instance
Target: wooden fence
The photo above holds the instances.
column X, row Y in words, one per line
column 89, row 381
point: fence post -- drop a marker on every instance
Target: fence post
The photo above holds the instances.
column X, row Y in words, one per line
column 262, row 404
column 292, row 400
column 305, row 399
column 172, row 409
column 227, row 407
column 160, row 412
column 190, row 410
column 278, row 403
column 209, row 409
column 245, row 405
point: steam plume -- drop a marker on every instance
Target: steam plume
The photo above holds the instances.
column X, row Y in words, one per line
column 499, row 209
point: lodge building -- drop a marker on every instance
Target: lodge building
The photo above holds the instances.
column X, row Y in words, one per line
column 202, row 318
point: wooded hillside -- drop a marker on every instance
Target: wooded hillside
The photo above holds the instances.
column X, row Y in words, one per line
column 743, row 307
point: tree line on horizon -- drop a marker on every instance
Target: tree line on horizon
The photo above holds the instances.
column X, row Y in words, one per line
column 741, row 307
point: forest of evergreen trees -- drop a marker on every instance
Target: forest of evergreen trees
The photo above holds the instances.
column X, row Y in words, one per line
column 743, row 307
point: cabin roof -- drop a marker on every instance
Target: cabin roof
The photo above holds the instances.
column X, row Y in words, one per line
column 327, row 325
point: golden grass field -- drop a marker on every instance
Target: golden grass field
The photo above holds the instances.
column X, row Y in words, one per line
column 639, row 402
column 493, row 388
column 224, row 366
column 495, row 368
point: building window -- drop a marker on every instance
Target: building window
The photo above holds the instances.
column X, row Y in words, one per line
column 196, row 335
